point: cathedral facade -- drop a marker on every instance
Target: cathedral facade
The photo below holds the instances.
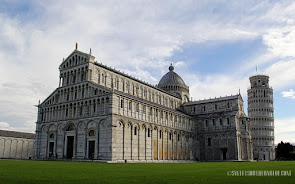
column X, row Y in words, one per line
column 100, row 113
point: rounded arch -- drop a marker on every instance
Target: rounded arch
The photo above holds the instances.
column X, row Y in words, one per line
column 44, row 128
column 52, row 128
column 135, row 125
column 121, row 123
column 143, row 127
column 102, row 123
column 60, row 127
column 91, row 124
column 129, row 124
column 51, row 135
column 149, row 126
column 70, row 127
column 91, row 132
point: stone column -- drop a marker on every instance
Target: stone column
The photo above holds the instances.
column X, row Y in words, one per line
column 152, row 146
column 131, row 142
column 75, row 144
column 85, row 142
column 59, row 85
column 97, row 141
column 55, row 141
column 138, row 142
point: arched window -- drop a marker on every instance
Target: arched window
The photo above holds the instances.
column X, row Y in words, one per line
column 91, row 133
column 149, row 132
column 67, row 112
column 144, row 109
column 128, row 86
column 98, row 76
column 90, row 74
column 123, row 85
column 70, row 128
column 135, row 130
column 130, row 105
column 82, row 76
column 81, row 110
column 122, row 103
column 160, row 134
column 264, row 93
column 94, row 107
column 209, row 141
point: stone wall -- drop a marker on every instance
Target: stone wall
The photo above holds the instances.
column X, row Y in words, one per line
column 16, row 148
column 137, row 140
column 59, row 135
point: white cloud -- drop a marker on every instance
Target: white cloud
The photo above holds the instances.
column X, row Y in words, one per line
column 282, row 73
column 289, row 94
column 7, row 126
column 280, row 41
column 4, row 126
column 215, row 86
column 179, row 63
column 285, row 130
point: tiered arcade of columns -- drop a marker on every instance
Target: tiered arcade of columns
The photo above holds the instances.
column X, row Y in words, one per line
column 260, row 112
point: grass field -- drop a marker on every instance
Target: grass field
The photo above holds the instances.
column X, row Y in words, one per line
column 17, row 171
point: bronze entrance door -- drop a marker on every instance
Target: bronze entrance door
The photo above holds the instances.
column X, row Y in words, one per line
column 70, row 146
column 51, row 147
column 91, row 147
column 224, row 150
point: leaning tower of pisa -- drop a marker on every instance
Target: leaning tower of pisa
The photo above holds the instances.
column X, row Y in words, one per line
column 260, row 112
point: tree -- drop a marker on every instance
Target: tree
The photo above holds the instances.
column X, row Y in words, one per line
column 285, row 151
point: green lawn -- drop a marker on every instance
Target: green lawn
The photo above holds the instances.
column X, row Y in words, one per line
column 16, row 171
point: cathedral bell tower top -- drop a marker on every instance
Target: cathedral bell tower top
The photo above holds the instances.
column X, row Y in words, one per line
column 259, row 81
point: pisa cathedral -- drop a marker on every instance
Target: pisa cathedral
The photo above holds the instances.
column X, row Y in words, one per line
column 100, row 113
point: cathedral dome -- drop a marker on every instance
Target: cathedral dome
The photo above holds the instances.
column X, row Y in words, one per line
column 173, row 83
column 171, row 78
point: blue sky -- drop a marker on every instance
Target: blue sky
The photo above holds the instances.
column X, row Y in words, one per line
column 214, row 45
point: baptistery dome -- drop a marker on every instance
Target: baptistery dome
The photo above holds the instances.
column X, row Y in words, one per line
column 174, row 84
